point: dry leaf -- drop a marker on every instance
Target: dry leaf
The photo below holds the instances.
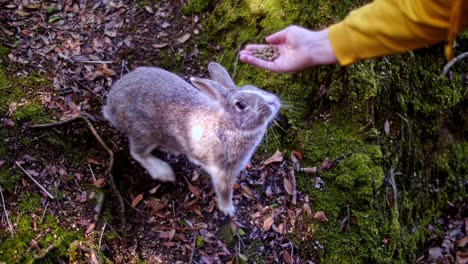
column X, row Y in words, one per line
column 194, row 190
column 277, row 157
column 287, row 257
column 247, row 192
column 268, row 223
column 233, row 226
column 461, row 243
column 243, row 257
column 149, row 9
column 159, row 45
column 93, row 161
column 90, row 228
column 168, row 244
column 22, row 13
column 320, row 216
column 171, row 234
column 387, row 127
column 99, row 182
column 184, row 38
column 307, row 209
column 297, row 154
column 154, row 205
column 288, row 186
column 137, row 200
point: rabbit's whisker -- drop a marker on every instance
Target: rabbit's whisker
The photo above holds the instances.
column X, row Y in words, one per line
column 276, row 122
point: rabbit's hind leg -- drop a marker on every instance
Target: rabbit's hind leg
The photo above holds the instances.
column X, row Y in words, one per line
column 158, row 169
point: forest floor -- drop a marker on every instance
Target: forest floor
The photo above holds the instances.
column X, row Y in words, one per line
column 80, row 48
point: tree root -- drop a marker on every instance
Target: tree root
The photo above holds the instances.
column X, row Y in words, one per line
column 452, row 62
column 103, row 144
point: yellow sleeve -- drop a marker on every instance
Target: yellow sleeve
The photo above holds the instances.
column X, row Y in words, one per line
column 390, row 26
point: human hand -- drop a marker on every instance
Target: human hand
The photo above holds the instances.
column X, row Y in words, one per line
column 298, row 48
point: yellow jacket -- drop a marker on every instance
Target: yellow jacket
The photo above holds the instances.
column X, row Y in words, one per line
column 391, row 26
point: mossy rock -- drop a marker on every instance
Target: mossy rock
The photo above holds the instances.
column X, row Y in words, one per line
column 404, row 91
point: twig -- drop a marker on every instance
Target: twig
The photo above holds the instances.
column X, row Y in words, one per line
column 113, row 230
column 294, row 187
column 102, row 234
column 45, row 211
column 58, row 123
column 194, row 244
column 6, row 212
column 37, row 183
column 452, row 62
column 92, row 61
column 92, row 172
column 102, row 143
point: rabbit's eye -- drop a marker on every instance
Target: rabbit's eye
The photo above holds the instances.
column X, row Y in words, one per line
column 240, row 105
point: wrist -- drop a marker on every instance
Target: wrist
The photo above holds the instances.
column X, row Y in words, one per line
column 320, row 49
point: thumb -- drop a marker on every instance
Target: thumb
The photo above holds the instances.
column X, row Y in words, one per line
column 277, row 38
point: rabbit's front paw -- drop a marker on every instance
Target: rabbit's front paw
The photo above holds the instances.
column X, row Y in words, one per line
column 228, row 209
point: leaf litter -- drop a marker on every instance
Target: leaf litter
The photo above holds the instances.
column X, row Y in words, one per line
column 83, row 47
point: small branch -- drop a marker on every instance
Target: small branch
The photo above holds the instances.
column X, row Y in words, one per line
column 102, row 234
column 58, row 123
column 6, row 212
column 94, row 62
column 102, row 143
column 294, row 187
column 92, row 172
column 37, row 183
column 45, row 211
column 194, row 244
column 452, row 62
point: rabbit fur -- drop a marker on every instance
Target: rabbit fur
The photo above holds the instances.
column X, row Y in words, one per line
column 217, row 126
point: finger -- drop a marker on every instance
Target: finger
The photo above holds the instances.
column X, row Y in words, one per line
column 277, row 38
column 245, row 52
column 258, row 62
column 252, row 47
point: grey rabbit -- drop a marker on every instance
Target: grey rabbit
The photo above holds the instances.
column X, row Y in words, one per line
column 217, row 126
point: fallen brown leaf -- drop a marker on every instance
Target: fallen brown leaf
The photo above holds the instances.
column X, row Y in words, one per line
column 184, row 38
column 90, row 228
column 159, row 45
column 297, row 154
column 320, row 216
column 277, row 157
column 99, row 182
column 288, row 186
column 137, row 200
column 195, row 190
column 268, row 222
column 287, row 257
column 247, row 192
column 154, row 205
column 387, row 127
column 307, row 209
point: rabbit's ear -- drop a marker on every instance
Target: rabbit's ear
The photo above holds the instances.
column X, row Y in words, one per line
column 220, row 75
column 210, row 88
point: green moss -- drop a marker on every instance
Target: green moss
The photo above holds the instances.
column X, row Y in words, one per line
column 18, row 91
column 196, row 6
column 52, row 240
column 9, row 177
column 403, row 90
column 4, row 51
column 29, row 203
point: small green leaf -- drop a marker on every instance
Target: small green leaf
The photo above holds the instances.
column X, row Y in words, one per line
column 54, row 18
column 243, row 257
column 200, row 241
column 241, row 231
